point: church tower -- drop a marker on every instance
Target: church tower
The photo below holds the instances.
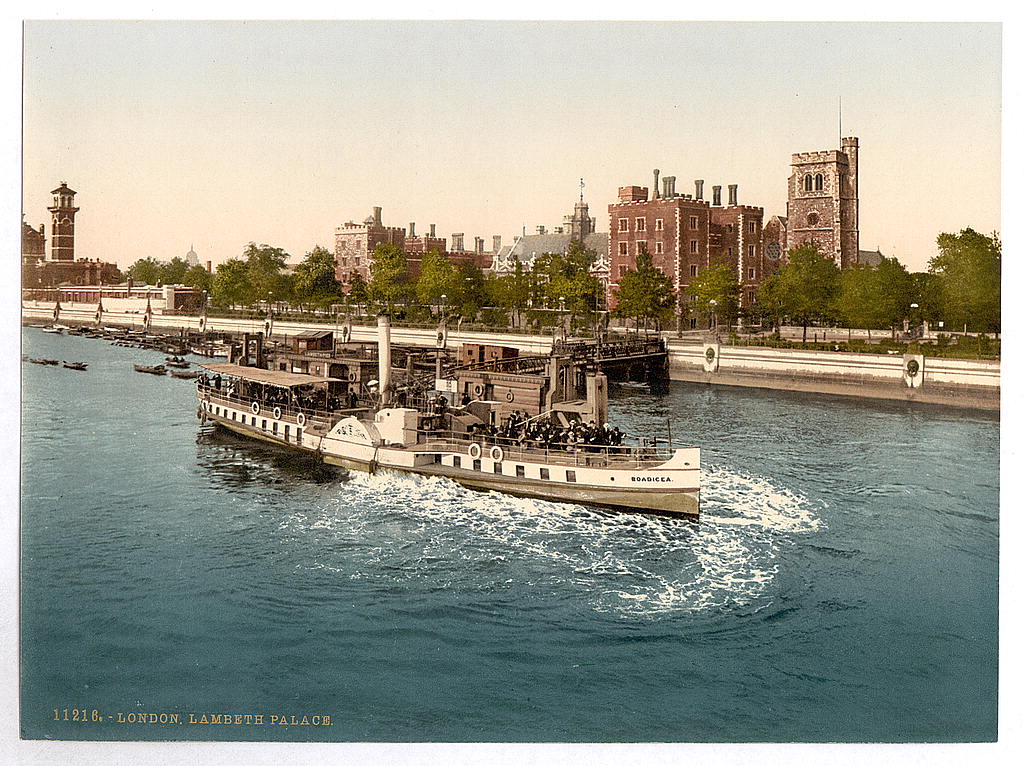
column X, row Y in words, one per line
column 824, row 204
column 62, row 242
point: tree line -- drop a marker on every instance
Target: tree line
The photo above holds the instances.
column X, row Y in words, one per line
column 960, row 288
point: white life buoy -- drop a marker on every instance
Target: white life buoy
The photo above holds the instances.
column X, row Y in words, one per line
column 497, row 454
column 352, row 377
column 255, row 408
column 301, row 419
column 478, row 389
column 277, row 413
column 510, row 396
column 474, row 451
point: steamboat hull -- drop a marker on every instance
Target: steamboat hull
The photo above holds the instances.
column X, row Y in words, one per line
column 673, row 502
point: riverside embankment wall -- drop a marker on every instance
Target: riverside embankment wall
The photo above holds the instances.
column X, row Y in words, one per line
column 956, row 382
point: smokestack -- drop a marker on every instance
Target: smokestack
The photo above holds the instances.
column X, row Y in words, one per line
column 496, row 239
column 669, row 184
column 541, row 230
column 384, row 357
column 716, row 195
column 376, row 216
column 412, row 229
column 478, row 243
column 458, row 242
column 699, row 188
column 433, row 230
column 654, row 188
column 732, row 195
column 209, row 267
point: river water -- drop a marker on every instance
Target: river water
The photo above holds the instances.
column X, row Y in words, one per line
column 841, row 584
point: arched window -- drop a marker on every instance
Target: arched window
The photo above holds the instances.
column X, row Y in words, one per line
column 808, row 183
column 819, row 182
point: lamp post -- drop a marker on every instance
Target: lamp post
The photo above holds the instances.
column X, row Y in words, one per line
column 913, row 312
column 714, row 317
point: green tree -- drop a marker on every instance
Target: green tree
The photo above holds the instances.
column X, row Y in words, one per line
column 437, row 278
column 144, row 271
column 804, row 290
column 716, row 293
column 358, row 290
column 644, row 293
column 173, row 272
column 231, row 285
column 565, row 281
column 970, row 267
column 264, row 265
column 389, row 277
column 198, row 278
column 928, row 297
column 469, row 290
column 314, row 278
column 875, row 297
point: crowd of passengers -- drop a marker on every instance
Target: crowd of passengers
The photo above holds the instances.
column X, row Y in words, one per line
column 524, row 431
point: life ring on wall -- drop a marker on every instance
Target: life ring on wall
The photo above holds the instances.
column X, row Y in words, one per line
column 510, row 396
column 478, row 389
column 474, row 451
column 301, row 419
column 913, row 367
column 497, row 454
column 352, row 377
column 709, row 354
column 277, row 413
column 255, row 408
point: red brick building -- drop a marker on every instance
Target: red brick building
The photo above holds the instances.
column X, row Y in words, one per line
column 684, row 234
column 354, row 245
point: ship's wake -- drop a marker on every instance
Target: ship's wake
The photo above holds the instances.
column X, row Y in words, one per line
column 397, row 527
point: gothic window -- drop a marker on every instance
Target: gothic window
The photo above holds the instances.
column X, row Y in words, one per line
column 774, row 250
column 819, row 182
column 808, row 183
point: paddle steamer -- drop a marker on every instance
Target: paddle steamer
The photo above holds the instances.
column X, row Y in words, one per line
column 457, row 427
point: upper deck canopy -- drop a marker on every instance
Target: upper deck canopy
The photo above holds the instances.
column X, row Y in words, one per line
column 270, row 377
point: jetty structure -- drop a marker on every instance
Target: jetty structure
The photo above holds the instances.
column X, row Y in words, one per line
column 492, row 420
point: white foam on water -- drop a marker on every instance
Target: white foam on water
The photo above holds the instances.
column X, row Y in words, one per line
column 628, row 565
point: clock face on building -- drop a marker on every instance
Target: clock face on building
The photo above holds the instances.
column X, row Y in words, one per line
column 812, row 219
column 773, row 250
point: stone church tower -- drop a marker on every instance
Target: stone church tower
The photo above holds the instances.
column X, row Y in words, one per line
column 62, row 242
column 824, row 205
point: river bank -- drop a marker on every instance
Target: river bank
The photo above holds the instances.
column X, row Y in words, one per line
column 966, row 383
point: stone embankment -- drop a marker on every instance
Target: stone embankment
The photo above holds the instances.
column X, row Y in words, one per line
column 909, row 377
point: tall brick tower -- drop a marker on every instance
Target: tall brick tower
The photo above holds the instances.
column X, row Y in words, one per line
column 63, row 232
column 824, row 205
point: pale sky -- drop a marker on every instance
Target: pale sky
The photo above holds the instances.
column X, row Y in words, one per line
column 215, row 134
